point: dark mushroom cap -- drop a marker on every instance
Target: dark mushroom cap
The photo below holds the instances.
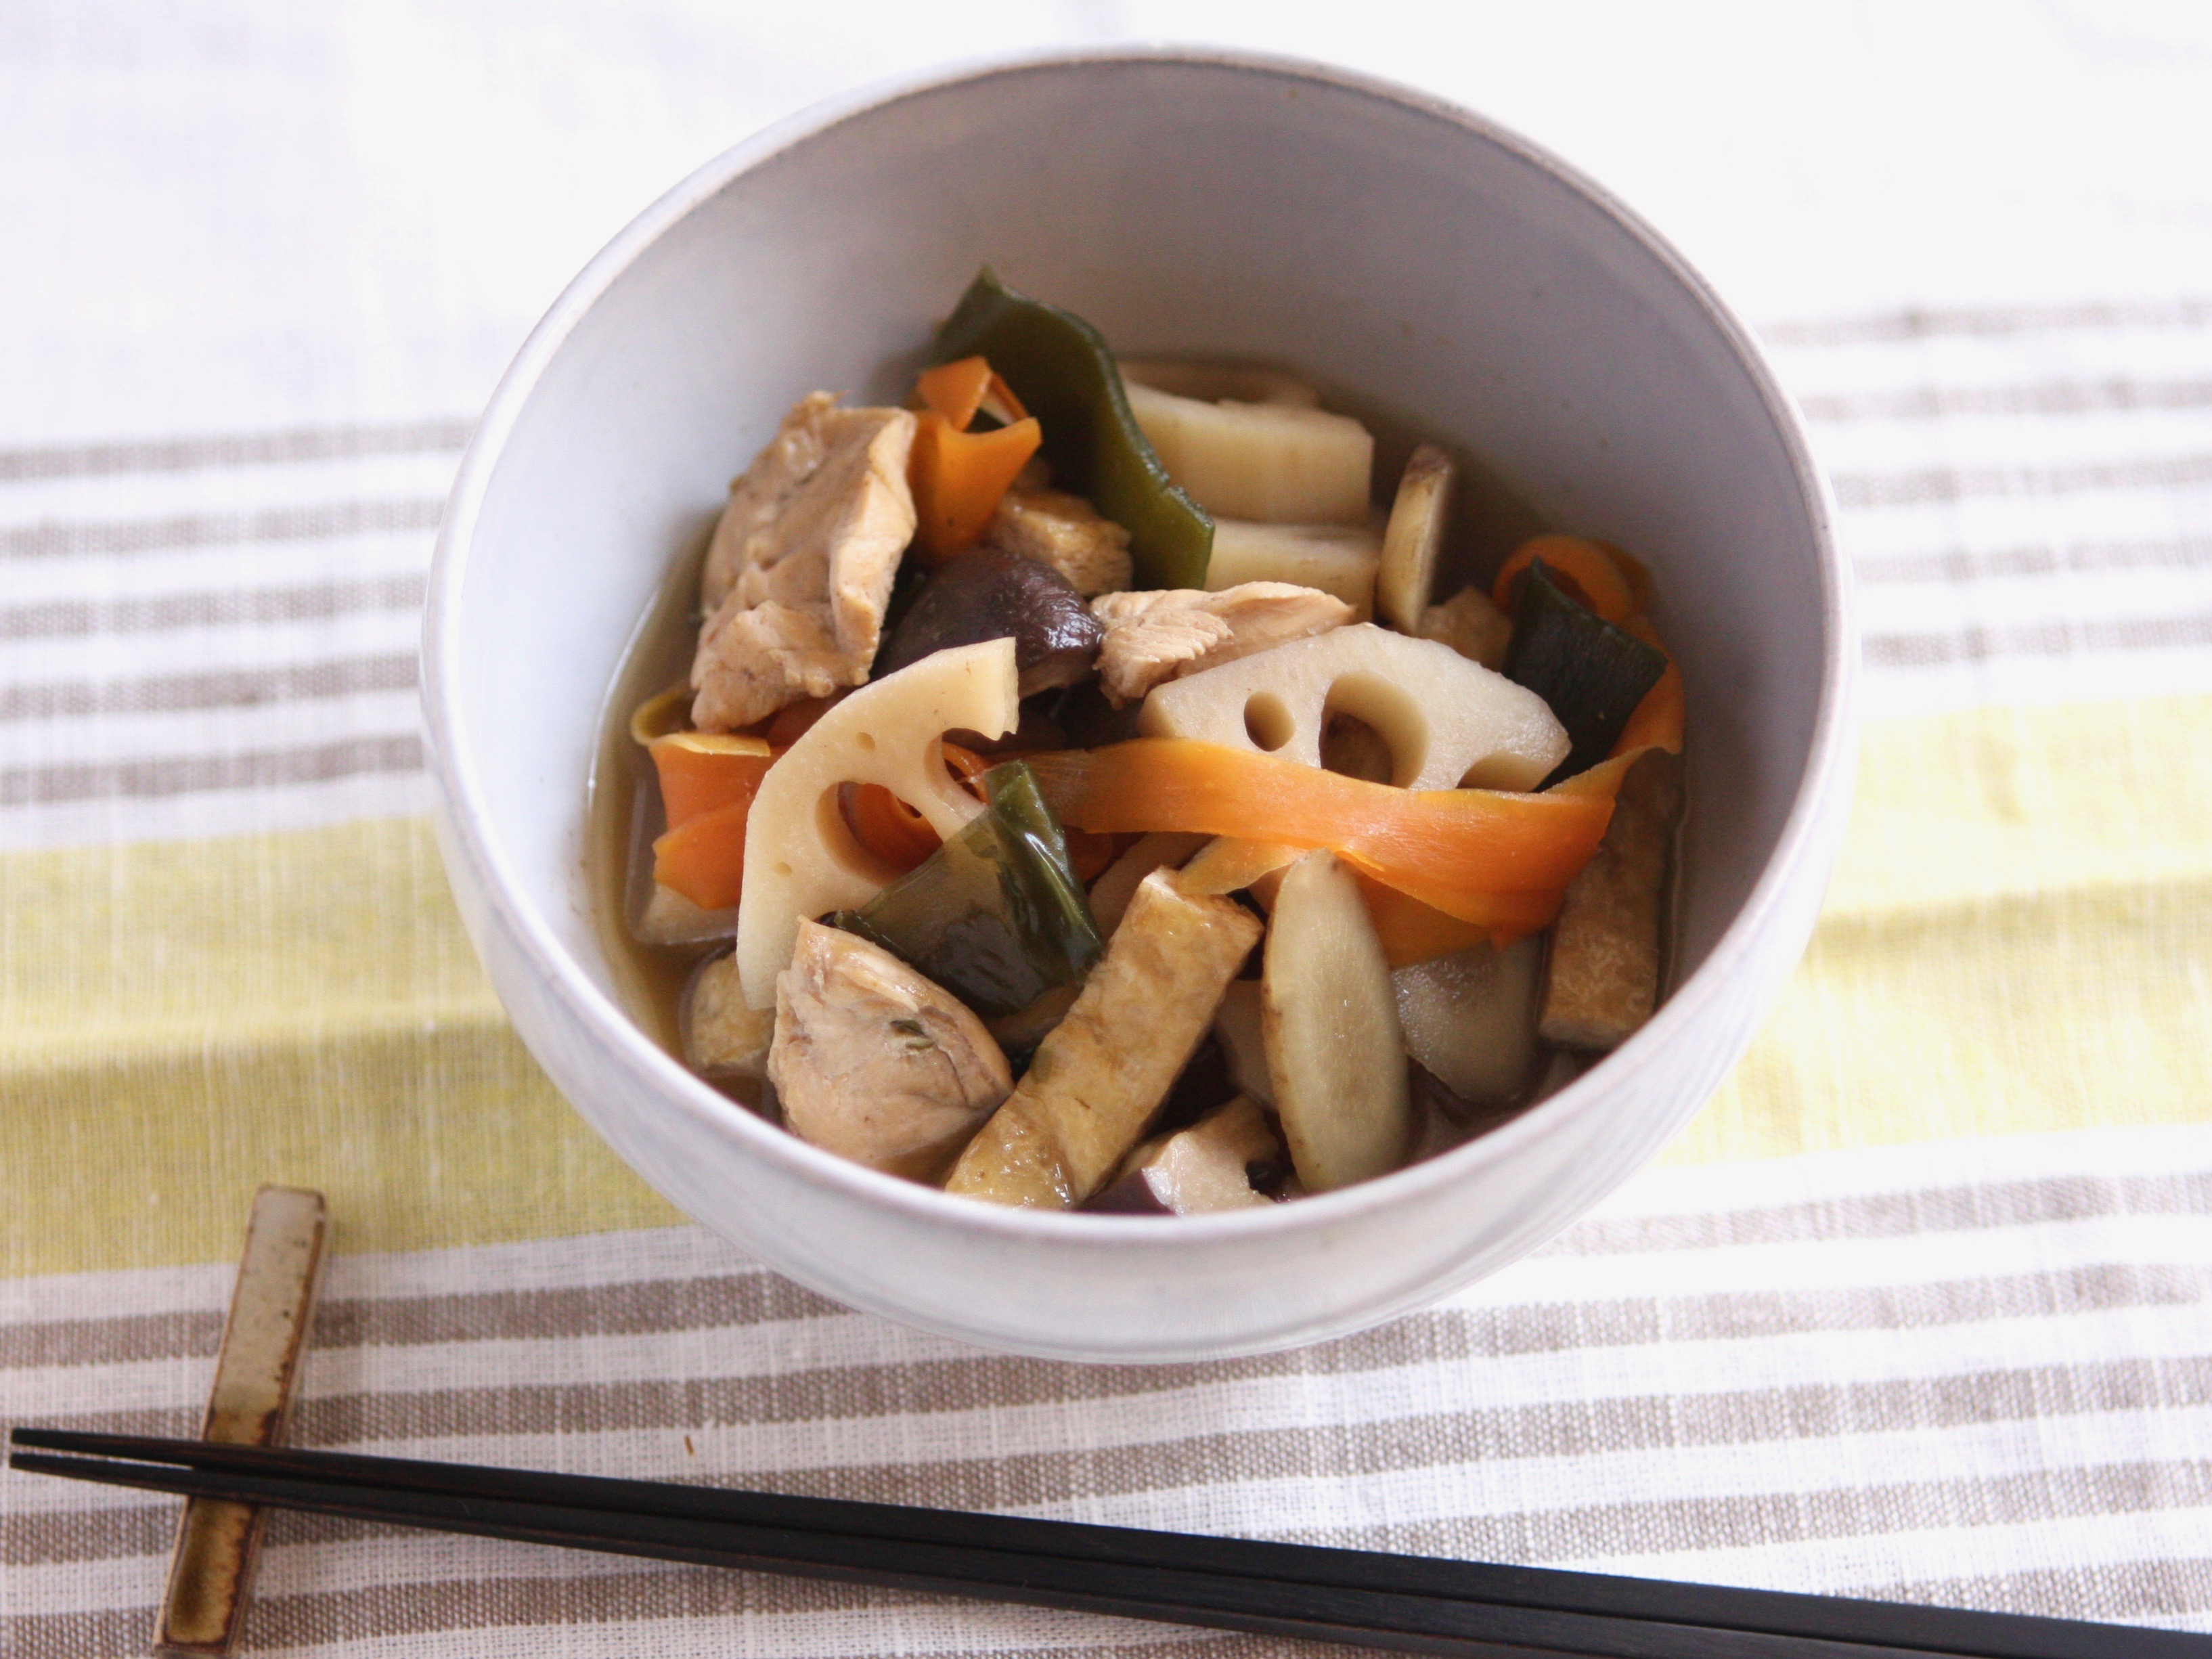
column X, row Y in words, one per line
column 991, row 595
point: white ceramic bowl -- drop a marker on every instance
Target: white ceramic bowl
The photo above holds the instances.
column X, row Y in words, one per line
column 1182, row 200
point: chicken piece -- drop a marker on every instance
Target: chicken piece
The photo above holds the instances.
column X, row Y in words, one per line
column 1100, row 1075
column 1471, row 624
column 1163, row 634
column 875, row 1063
column 1063, row 531
column 801, row 565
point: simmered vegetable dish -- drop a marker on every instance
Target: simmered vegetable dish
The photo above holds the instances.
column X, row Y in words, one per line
column 1083, row 795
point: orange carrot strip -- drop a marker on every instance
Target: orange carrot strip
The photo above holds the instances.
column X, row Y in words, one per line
column 958, row 478
column 1498, row 860
column 704, row 857
column 1589, row 570
column 1600, row 782
column 968, row 766
column 703, row 771
column 1088, row 855
column 886, row 826
column 955, row 390
column 958, row 390
column 1655, row 722
column 1412, row 932
column 894, row 832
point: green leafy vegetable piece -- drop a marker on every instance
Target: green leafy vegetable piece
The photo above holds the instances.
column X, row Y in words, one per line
column 1592, row 673
column 1059, row 367
column 995, row 915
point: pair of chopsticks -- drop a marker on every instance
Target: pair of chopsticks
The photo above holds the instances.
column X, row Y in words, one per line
column 1407, row 1604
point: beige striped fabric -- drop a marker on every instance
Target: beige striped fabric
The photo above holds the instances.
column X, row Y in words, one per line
column 1920, row 1306
column 1958, row 1373
column 247, row 606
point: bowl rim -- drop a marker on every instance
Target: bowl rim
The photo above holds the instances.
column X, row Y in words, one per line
column 1808, row 832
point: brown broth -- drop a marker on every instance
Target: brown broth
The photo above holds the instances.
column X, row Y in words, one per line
column 624, row 810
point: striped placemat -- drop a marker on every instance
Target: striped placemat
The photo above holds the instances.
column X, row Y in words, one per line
column 1969, row 1372
column 2026, row 494
column 205, row 636
column 1921, row 1308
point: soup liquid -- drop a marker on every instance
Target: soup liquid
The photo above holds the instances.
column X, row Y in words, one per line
column 624, row 815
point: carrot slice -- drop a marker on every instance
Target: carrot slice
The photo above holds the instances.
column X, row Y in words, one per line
column 893, row 831
column 1088, row 855
column 1412, row 932
column 1500, row 861
column 886, row 826
column 1655, row 722
column 957, row 391
column 707, row 781
column 958, row 478
column 966, row 766
column 703, row 771
column 1589, row 571
column 704, row 857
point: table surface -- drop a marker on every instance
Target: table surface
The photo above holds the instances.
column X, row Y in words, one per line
column 1920, row 1306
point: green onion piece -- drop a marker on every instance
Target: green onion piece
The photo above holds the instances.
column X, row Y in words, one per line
column 1059, row 367
column 1592, row 673
column 995, row 915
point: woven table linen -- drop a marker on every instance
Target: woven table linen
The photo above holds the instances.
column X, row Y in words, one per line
column 1919, row 1307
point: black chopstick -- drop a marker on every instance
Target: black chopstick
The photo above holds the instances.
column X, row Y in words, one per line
column 1410, row 1623
column 1406, row 1603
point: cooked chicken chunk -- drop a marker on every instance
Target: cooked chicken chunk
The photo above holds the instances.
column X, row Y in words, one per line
column 1469, row 623
column 875, row 1063
column 1163, row 634
column 1063, row 531
column 801, row 565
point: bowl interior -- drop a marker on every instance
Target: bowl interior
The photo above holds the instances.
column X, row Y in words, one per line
column 1195, row 206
